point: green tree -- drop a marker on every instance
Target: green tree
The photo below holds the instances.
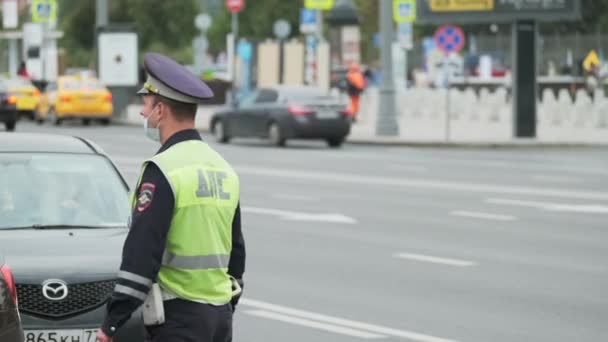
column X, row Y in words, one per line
column 163, row 26
column 255, row 21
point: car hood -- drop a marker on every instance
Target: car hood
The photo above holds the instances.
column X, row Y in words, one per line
column 72, row 255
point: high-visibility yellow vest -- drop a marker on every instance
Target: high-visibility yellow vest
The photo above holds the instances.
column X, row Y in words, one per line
column 199, row 242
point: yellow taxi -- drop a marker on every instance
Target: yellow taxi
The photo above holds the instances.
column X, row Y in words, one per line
column 28, row 96
column 75, row 97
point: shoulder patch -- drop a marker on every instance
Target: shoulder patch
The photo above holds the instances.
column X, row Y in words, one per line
column 145, row 197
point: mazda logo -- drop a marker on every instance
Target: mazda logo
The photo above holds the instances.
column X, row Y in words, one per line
column 54, row 289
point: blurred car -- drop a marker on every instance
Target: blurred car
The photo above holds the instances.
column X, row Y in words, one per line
column 8, row 108
column 10, row 324
column 28, row 96
column 282, row 113
column 64, row 209
column 73, row 97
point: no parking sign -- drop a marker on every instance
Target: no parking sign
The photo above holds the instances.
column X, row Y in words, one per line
column 449, row 38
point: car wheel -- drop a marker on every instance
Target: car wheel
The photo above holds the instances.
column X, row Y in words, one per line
column 10, row 125
column 219, row 132
column 105, row 122
column 86, row 122
column 276, row 135
column 335, row 142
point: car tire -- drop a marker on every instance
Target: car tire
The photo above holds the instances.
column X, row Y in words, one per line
column 86, row 122
column 10, row 125
column 105, row 122
column 335, row 142
column 219, row 132
column 275, row 134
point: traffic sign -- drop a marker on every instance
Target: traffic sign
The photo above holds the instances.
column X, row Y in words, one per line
column 404, row 11
column 44, row 11
column 308, row 21
column 449, row 38
column 235, row 5
column 281, row 29
column 404, row 36
column 319, row 4
column 203, row 21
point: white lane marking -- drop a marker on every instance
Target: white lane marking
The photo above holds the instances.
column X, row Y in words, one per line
column 549, row 206
column 312, row 324
column 483, row 216
column 343, row 322
column 435, row 260
column 420, row 183
column 301, row 216
column 557, row 179
column 295, row 197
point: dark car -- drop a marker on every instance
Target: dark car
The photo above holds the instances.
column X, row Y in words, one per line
column 64, row 208
column 10, row 325
column 283, row 113
column 8, row 108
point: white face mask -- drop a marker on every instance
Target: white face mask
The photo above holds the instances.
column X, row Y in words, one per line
column 153, row 133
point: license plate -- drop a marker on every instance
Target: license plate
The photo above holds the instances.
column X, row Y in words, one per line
column 75, row 335
column 326, row 114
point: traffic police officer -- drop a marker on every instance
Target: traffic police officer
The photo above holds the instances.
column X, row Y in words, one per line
column 185, row 233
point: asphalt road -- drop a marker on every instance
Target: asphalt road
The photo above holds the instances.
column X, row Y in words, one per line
column 411, row 244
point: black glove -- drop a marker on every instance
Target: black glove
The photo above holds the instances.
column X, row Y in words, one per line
column 235, row 300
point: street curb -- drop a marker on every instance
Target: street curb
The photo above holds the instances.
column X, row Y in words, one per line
column 532, row 144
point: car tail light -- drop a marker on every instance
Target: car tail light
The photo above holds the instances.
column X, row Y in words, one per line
column 10, row 281
column 347, row 111
column 65, row 98
column 299, row 110
column 36, row 92
column 108, row 97
column 12, row 99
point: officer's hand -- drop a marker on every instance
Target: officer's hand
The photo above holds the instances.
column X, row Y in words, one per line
column 235, row 300
column 102, row 337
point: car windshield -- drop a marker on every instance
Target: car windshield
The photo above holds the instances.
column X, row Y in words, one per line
column 54, row 189
column 18, row 82
column 81, row 84
column 305, row 95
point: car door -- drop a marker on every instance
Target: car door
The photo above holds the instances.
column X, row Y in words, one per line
column 237, row 119
column 260, row 112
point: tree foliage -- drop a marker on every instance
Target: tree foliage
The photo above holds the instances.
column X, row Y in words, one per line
column 168, row 26
column 163, row 26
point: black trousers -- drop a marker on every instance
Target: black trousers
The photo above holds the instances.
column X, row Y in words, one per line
column 187, row 321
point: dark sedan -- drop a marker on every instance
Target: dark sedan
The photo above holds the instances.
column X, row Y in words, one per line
column 282, row 113
column 64, row 209
column 8, row 108
column 10, row 326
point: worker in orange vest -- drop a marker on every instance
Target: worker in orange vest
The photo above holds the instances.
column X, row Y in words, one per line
column 355, row 86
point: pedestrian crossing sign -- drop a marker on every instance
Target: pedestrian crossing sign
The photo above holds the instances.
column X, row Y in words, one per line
column 44, row 11
column 404, row 11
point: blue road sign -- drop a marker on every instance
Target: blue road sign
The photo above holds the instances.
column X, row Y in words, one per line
column 308, row 20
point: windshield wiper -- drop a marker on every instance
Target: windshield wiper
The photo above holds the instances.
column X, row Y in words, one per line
column 65, row 226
